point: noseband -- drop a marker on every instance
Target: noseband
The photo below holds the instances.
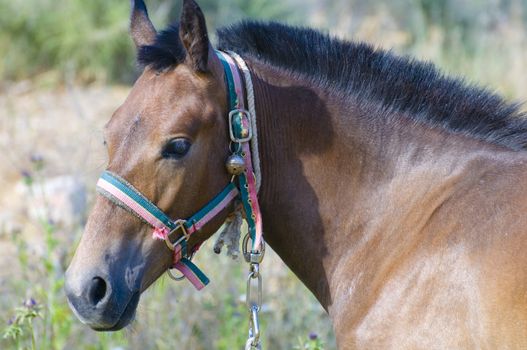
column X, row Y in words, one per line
column 243, row 185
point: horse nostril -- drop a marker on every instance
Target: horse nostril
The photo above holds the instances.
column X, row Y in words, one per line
column 97, row 290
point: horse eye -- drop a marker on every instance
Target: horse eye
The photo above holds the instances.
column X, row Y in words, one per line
column 176, row 148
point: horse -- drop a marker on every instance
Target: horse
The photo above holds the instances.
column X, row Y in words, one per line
column 395, row 193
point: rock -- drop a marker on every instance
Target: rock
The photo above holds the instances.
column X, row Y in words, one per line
column 61, row 200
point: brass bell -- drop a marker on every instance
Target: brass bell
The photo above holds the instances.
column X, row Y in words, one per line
column 235, row 164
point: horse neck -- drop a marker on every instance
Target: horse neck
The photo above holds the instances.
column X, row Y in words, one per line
column 302, row 162
column 335, row 179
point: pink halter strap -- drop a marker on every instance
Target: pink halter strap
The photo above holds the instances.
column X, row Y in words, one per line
column 247, row 180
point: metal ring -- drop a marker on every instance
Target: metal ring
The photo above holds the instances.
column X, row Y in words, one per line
column 182, row 277
column 251, row 304
column 237, row 147
column 245, row 113
column 175, row 278
column 248, row 254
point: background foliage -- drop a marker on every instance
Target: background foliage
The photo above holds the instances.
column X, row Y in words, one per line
column 66, row 65
column 87, row 41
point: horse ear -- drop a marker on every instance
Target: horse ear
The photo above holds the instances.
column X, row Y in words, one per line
column 141, row 28
column 193, row 35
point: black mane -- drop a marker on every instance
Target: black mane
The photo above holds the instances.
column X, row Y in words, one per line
column 358, row 69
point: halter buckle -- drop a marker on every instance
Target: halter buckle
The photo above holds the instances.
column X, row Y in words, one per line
column 243, row 113
column 180, row 224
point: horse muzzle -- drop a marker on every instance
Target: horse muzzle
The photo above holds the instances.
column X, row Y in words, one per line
column 99, row 302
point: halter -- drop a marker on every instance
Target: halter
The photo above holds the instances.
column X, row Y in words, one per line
column 243, row 186
column 123, row 194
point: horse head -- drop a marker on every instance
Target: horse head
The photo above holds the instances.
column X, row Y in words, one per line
column 170, row 140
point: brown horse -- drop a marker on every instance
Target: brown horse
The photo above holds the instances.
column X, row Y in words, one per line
column 398, row 196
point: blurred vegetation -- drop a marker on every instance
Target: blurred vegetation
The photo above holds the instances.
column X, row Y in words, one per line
column 82, row 38
column 85, row 41
column 88, row 40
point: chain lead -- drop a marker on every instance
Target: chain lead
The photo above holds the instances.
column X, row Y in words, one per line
column 254, row 302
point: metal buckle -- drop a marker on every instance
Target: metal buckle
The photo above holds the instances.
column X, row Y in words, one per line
column 249, row 255
column 245, row 114
column 179, row 224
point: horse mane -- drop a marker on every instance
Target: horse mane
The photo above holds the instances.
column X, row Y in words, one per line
column 358, row 69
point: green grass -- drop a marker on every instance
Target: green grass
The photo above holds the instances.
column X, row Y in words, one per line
column 88, row 41
column 85, row 39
